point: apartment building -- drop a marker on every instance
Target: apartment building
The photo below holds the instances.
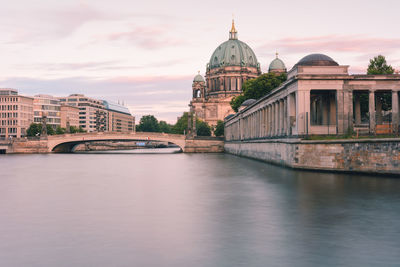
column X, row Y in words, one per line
column 92, row 112
column 119, row 118
column 16, row 113
column 49, row 106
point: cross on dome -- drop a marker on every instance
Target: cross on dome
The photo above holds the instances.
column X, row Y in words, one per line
column 233, row 31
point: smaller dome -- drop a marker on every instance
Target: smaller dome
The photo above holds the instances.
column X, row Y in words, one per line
column 277, row 64
column 317, row 60
column 248, row 102
column 228, row 117
column 198, row 78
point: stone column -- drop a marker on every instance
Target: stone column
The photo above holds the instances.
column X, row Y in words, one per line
column 378, row 111
column 357, row 108
column 268, row 121
column 372, row 111
column 258, row 123
column 265, row 122
column 348, row 109
column 340, row 111
column 273, row 119
column 251, row 126
column 283, row 108
column 395, row 111
column 288, row 111
column 277, row 118
column 194, row 130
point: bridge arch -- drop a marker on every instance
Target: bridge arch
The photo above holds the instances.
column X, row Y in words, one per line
column 66, row 142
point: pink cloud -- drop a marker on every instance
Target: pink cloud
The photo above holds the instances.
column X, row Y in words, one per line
column 47, row 23
column 334, row 43
column 149, row 37
column 149, row 79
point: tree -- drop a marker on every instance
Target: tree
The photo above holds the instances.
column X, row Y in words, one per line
column 35, row 129
column 148, row 123
column 74, row 129
column 60, row 130
column 50, row 130
column 378, row 65
column 164, row 127
column 257, row 88
column 181, row 124
column 219, row 129
column 203, row 129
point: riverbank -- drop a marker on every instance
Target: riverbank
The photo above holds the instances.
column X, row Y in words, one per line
column 380, row 156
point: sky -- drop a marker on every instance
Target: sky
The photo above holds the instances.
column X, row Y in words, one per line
column 145, row 53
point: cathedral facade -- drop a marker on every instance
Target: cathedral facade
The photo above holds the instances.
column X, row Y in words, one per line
column 232, row 63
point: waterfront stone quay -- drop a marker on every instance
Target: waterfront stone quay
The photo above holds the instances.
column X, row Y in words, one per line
column 378, row 156
column 65, row 143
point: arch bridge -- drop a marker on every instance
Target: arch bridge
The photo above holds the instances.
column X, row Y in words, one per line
column 66, row 142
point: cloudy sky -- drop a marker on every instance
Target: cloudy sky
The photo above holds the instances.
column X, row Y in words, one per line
column 146, row 53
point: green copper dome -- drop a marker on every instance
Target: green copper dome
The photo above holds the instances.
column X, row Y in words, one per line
column 233, row 53
column 198, row 78
column 277, row 64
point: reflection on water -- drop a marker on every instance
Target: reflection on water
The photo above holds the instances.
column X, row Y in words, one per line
column 135, row 151
column 191, row 210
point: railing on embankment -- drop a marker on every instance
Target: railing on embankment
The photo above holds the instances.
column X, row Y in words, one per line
column 381, row 156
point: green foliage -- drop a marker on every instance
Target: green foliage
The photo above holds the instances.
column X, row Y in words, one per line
column 148, row 123
column 378, row 65
column 237, row 101
column 165, row 127
column 60, row 130
column 257, row 88
column 181, row 124
column 219, row 129
column 73, row 129
column 50, row 130
column 203, row 129
column 35, row 129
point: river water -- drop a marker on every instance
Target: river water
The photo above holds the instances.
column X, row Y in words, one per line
column 191, row 210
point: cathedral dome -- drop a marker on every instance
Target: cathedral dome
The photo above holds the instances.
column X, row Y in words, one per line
column 317, row 60
column 277, row 65
column 233, row 53
column 198, row 78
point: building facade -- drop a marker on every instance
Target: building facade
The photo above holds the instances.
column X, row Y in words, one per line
column 119, row 118
column 320, row 97
column 69, row 116
column 231, row 64
column 92, row 112
column 49, row 106
column 16, row 113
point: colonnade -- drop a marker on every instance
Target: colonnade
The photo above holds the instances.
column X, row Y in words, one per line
column 275, row 119
column 226, row 83
column 288, row 114
column 375, row 110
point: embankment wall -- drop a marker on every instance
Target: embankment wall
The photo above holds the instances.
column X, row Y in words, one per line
column 370, row 156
